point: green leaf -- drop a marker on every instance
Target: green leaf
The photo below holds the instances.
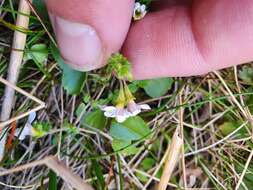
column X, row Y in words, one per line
column 133, row 128
column 141, row 83
column 142, row 177
column 229, row 126
column 246, row 74
column 72, row 80
column 39, row 129
column 147, row 163
column 133, row 87
column 121, row 132
column 52, row 180
column 80, row 109
column 159, row 173
column 125, row 147
column 41, row 9
column 95, row 119
column 86, row 98
column 138, row 125
column 156, row 87
column 38, row 53
column 71, row 129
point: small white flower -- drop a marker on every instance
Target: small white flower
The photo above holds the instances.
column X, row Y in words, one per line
column 27, row 130
column 120, row 114
column 139, row 11
column 31, row 117
column 135, row 109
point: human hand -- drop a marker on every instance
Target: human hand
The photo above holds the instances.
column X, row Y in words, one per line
column 177, row 39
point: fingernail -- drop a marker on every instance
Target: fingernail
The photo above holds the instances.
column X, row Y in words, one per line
column 79, row 44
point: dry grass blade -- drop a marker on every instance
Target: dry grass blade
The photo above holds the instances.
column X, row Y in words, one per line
column 173, row 157
column 25, row 166
column 16, row 58
column 58, row 167
column 181, row 118
column 41, row 103
column 218, row 142
column 244, row 171
column 241, row 108
column 74, row 180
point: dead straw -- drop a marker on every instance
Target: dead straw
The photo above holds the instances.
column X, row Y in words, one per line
column 19, row 41
column 175, row 148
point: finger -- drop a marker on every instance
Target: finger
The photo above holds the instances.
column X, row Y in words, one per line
column 191, row 40
column 88, row 32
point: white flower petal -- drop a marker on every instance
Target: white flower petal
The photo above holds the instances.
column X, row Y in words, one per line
column 143, row 8
column 111, row 114
column 122, row 115
column 121, row 118
column 128, row 114
column 135, row 112
column 137, row 5
column 109, row 111
column 31, row 117
column 145, row 107
column 27, row 131
column 108, row 108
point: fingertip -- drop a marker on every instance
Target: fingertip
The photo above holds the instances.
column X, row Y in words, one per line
column 79, row 44
column 88, row 32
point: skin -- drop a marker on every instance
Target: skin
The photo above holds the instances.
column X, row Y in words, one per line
column 178, row 38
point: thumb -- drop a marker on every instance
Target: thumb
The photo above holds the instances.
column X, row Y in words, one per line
column 88, row 32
